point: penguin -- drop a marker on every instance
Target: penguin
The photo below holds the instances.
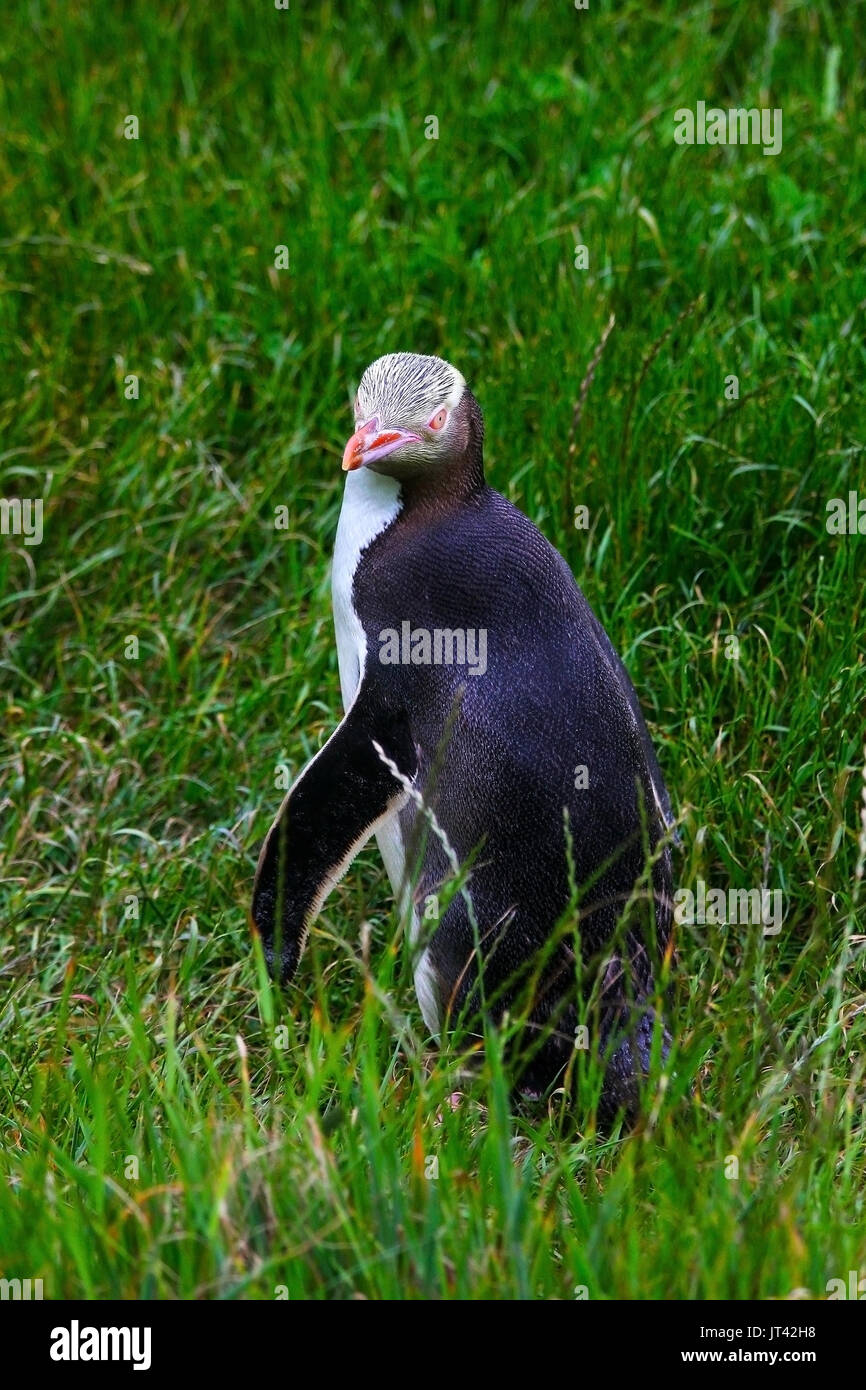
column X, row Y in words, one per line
column 491, row 733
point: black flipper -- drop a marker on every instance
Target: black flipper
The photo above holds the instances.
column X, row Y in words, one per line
column 340, row 798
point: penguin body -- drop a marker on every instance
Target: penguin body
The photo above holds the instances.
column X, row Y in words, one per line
column 488, row 722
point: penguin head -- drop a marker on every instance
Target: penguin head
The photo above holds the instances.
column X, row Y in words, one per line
column 414, row 415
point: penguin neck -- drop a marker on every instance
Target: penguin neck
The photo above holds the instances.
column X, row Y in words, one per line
column 432, row 492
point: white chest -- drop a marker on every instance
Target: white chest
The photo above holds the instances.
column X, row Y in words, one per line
column 370, row 503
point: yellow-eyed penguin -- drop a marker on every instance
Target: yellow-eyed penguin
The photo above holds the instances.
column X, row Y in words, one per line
column 480, row 687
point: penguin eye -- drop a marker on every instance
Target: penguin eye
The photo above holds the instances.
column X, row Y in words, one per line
column 438, row 419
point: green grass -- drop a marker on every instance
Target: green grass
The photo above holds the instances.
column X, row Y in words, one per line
column 285, row 1141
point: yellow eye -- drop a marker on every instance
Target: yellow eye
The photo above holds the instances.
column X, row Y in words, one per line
column 438, row 419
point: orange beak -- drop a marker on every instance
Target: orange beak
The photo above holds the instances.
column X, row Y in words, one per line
column 367, row 445
column 353, row 454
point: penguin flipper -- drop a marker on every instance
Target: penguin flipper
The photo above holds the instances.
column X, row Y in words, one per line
column 342, row 796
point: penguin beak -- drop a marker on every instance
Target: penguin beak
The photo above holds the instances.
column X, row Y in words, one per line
column 369, row 444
